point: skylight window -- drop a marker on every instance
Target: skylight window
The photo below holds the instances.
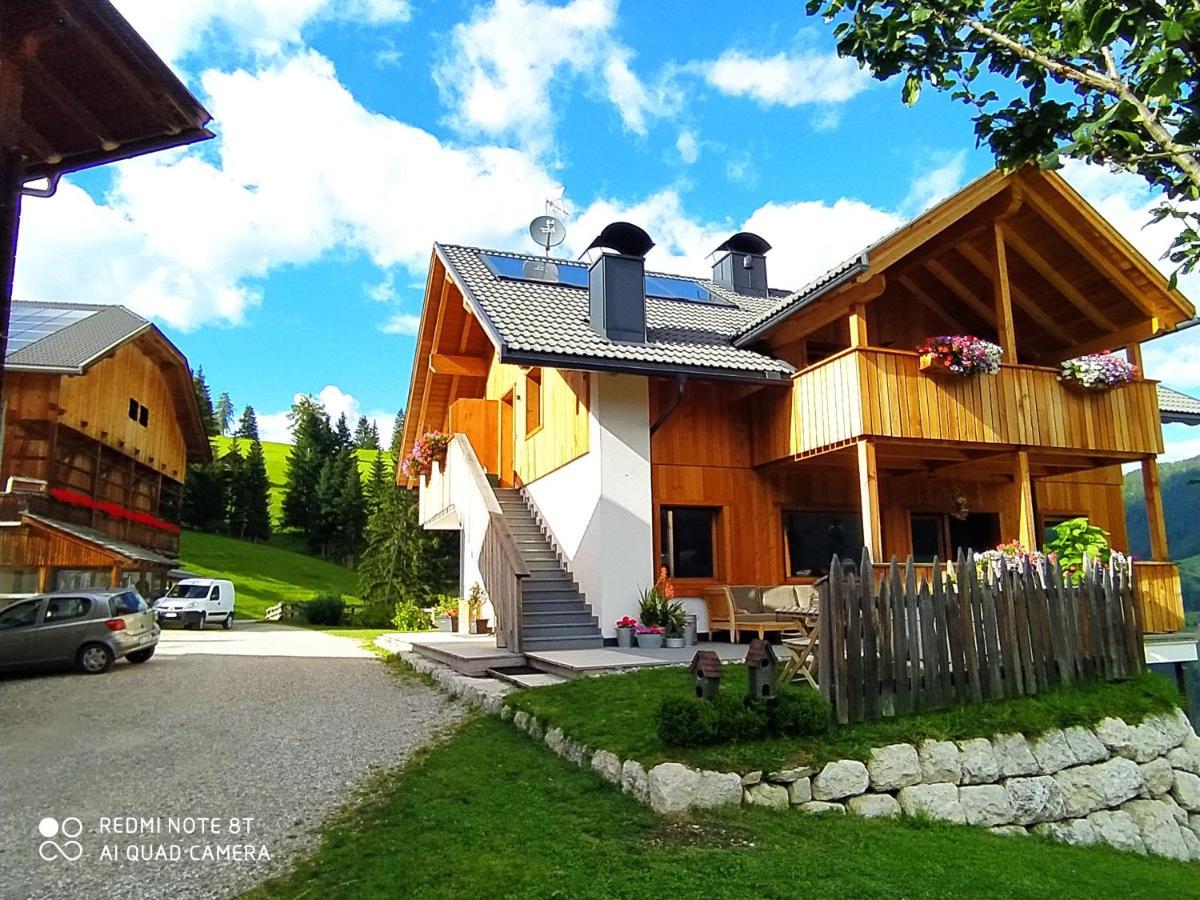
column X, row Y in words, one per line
column 572, row 274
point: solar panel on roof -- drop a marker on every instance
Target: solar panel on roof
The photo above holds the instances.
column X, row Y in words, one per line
column 664, row 287
column 30, row 324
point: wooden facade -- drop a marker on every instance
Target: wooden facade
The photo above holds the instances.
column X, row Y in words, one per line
column 861, row 429
column 105, row 450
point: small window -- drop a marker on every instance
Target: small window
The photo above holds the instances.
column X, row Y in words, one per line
column 143, row 416
column 134, row 406
column 533, row 401
column 688, row 540
column 216, row 592
column 1049, row 523
column 126, row 604
column 19, row 615
column 59, row 609
column 812, row 538
column 927, row 538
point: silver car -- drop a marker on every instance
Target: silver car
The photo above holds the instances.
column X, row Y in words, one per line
column 91, row 629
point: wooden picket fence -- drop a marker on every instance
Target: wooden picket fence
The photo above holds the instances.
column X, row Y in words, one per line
column 895, row 642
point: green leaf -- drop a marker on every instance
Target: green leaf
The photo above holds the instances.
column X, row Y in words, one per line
column 912, row 89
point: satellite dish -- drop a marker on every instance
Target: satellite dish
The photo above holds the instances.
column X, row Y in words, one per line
column 540, row 270
column 623, row 237
column 547, row 232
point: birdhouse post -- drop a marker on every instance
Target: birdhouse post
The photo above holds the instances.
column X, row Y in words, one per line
column 761, row 664
column 706, row 674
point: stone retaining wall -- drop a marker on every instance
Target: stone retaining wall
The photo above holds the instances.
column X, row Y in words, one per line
column 1134, row 787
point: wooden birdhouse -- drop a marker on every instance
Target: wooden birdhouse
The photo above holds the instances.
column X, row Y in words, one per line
column 706, row 674
column 761, row 663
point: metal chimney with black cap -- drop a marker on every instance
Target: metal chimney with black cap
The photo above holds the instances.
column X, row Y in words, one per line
column 741, row 264
column 617, row 283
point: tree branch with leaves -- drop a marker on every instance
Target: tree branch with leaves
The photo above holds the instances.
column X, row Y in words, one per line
column 1110, row 83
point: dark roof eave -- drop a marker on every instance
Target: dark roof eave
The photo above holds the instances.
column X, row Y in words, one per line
column 1179, row 418
column 635, row 367
column 128, row 150
column 750, row 336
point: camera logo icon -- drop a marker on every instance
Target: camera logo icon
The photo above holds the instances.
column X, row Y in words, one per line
column 68, row 830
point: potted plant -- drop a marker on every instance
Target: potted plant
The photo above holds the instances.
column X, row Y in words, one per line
column 625, row 629
column 436, row 443
column 449, row 611
column 672, row 617
column 959, row 354
column 1097, row 372
column 475, row 600
column 650, row 637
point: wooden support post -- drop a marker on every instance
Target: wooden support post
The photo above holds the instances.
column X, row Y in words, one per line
column 1156, row 521
column 1133, row 353
column 868, row 489
column 43, row 579
column 114, row 577
column 1003, row 295
column 1023, row 490
column 858, row 325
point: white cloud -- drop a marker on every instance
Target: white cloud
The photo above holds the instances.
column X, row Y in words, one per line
column 401, row 323
column 688, row 146
column 274, row 426
column 175, row 28
column 1180, row 442
column 936, row 184
column 499, row 73
column 787, row 79
column 181, row 239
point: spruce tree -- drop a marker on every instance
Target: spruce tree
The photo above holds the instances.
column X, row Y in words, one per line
column 235, row 505
column 312, row 445
column 224, row 412
column 256, row 494
column 366, row 434
column 397, row 447
column 248, row 424
column 351, row 513
column 377, row 482
column 343, row 438
column 205, row 498
column 204, row 401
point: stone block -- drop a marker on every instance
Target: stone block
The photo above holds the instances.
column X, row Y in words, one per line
column 764, row 793
column 840, row 779
column 1036, row 799
column 1085, row 745
column 634, row 780
column 1116, row 828
column 1014, row 756
column 939, row 762
column 1116, row 735
column 607, row 765
column 893, row 767
column 820, row 806
column 716, row 789
column 1158, row 777
column 1192, row 842
column 1161, row 834
column 1078, row 832
column 937, row 801
column 986, row 804
column 978, row 761
column 874, row 806
column 1086, row 789
column 787, row 776
column 673, row 787
column 800, row 791
column 1186, row 790
column 1009, row 830
column 1052, row 752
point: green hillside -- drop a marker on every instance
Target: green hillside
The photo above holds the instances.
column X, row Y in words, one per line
column 1181, row 499
column 276, row 455
column 263, row 575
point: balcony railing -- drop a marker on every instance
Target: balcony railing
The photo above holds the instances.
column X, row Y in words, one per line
column 12, row 506
column 1159, row 595
column 882, row 393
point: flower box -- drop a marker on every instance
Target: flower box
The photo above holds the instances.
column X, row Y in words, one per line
column 1097, row 372
column 959, row 354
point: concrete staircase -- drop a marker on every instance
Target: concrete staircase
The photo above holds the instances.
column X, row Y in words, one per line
column 554, row 614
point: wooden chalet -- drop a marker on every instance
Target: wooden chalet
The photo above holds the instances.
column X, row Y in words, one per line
column 746, row 433
column 100, row 422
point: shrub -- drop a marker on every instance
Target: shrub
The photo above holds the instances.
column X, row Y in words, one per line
column 374, row 615
column 799, row 712
column 688, row 722
column 408, row 616
column 326, row 609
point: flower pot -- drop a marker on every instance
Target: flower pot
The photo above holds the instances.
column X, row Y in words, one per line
column 453, row 624
column 650, row 641
column 624, row 637
column 1080, row 388
column 689, row 631
column 675, row 643
column 481, row 626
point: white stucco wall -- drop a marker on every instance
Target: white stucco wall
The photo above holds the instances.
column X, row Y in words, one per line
column 599, row 506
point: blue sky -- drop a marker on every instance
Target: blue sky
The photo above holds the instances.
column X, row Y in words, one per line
column 289, row 254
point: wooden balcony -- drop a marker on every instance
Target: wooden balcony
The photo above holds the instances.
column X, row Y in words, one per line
column 13, row 506
column 879, row 393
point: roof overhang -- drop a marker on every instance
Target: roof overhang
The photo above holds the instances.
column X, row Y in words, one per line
column 628, row 367
column 83, row 88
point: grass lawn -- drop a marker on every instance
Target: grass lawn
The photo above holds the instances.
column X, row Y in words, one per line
column 276, row 455
column 617, row 713
column 263, row 575
column 493, row 814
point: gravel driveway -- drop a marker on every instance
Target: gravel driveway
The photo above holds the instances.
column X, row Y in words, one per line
column 268, row 723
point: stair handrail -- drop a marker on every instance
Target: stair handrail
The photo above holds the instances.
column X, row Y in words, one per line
column 500, row 563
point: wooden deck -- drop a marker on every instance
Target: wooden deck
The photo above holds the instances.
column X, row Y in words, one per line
column 879, row 393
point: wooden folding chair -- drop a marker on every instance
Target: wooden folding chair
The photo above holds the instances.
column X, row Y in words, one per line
column 802, row 660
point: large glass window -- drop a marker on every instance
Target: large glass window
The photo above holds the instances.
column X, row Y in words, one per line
column 812, row 539
column 942, row 535
column 81, row 579
column 18, row 581
column 688, row 536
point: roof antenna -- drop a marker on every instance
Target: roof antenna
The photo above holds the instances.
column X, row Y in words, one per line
column 547, row 231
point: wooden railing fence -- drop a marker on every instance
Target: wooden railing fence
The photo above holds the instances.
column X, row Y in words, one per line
column 503, row 570
column 896, row 642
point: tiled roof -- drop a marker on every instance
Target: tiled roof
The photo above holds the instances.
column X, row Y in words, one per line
column 807, row 294
column 543, row 319
column 67, row 336
column 1178, row 407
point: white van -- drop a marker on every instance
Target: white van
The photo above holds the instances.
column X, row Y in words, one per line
column 195, row 602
